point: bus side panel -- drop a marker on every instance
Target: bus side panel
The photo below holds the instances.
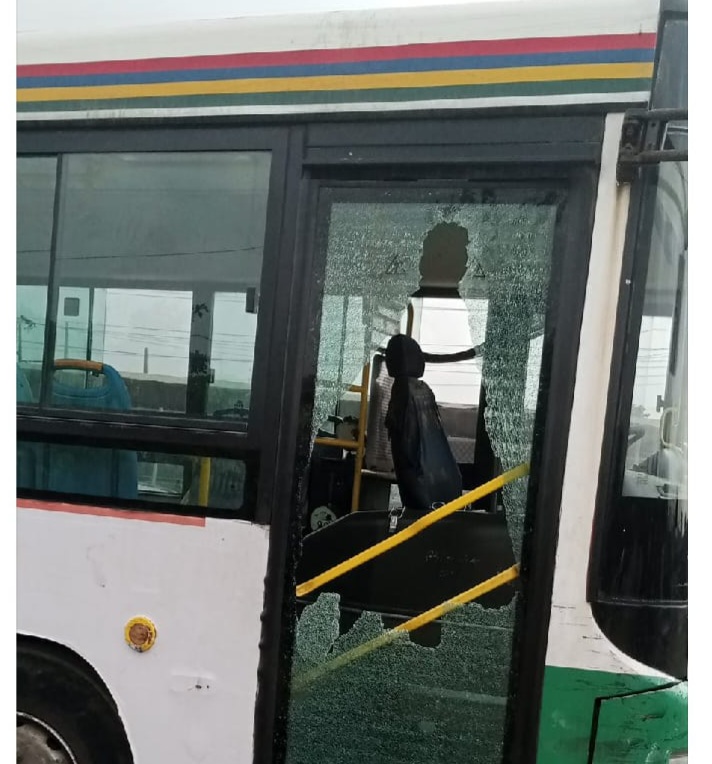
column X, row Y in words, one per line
column 614, row 717
column 83, row 573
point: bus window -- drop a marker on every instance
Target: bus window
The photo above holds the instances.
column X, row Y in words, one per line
column 452, row 326
column 156, row 273
column 36, row 179
column 449, row 679
column 97, row 473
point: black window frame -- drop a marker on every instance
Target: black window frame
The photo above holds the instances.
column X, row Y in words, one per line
column 179, row 434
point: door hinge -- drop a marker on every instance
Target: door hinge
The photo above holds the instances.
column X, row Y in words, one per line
column 646, row 139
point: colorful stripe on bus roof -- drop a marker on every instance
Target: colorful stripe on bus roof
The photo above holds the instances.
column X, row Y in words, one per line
column 579, row 69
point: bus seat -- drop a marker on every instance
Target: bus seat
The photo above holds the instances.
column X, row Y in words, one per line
column 84, row 469
column 26, row 453
column 425, row 468
column 459, row 421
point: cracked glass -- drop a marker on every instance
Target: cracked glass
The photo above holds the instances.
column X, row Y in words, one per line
column 360, row 690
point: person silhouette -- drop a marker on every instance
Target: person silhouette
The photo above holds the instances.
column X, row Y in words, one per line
column 444, row 259
column 442, row 267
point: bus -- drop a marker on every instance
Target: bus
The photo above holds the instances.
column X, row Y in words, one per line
column 351, row 358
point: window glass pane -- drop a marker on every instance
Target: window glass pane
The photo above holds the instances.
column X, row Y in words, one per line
column 107, row 473
column 158, row 266
column 475, row 266
column 656, row 459
column 644, row 553
column 36, row 180
column 234, row 329
column 444, row 327
column 670, row 89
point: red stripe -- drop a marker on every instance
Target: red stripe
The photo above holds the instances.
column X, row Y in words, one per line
column 349, row 55
column 121, row 514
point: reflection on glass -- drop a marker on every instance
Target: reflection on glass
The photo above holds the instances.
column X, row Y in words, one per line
column 98, row 473
column 158, row 266
column 656, row 460
column 36, row 179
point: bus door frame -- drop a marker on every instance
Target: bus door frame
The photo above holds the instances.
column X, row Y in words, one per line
column 393, row 151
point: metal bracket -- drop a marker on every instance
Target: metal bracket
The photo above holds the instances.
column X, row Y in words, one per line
column 643, row 141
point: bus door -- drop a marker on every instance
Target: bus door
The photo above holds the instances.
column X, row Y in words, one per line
column 401, row 656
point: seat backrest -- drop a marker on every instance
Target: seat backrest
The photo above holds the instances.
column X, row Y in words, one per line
column 378, row 455
column 425, row 467
column 83, row 469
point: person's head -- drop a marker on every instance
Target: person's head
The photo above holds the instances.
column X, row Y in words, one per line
column 444, row 259
column 404, row 357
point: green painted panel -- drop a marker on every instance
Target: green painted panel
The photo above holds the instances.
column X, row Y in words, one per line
column 643, row 728
column 569, row 705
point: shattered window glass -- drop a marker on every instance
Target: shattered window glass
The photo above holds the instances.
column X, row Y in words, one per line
column 360, row 693
column 373, row 252
column 511, row 248
column 400, row 703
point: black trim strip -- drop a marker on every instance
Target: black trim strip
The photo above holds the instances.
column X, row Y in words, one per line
column 128, row 136
column 278, row 614
column 26, row 413
column 50, row 333
column 28, row 122
column 134, row 435
column 541, row 526
column 504, row 154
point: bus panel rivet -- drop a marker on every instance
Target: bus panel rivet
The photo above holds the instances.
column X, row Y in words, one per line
column 140, row 634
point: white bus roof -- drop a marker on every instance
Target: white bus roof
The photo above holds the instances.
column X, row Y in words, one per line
column 526, row 52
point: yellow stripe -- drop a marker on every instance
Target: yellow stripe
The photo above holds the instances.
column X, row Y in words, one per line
column 341, row 82
column 303, row 680
column 411, row 530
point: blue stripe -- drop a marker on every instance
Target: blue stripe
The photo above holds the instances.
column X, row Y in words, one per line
column 634, row 55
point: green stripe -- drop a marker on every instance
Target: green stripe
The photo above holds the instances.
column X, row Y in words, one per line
column 379, row 95
column 632, row 729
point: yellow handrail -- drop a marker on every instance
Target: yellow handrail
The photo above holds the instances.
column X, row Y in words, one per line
column 336, row 442
column 204, row 484
column 301, row 681
column 361, row 448
column 358, row 445
column 412, row 530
